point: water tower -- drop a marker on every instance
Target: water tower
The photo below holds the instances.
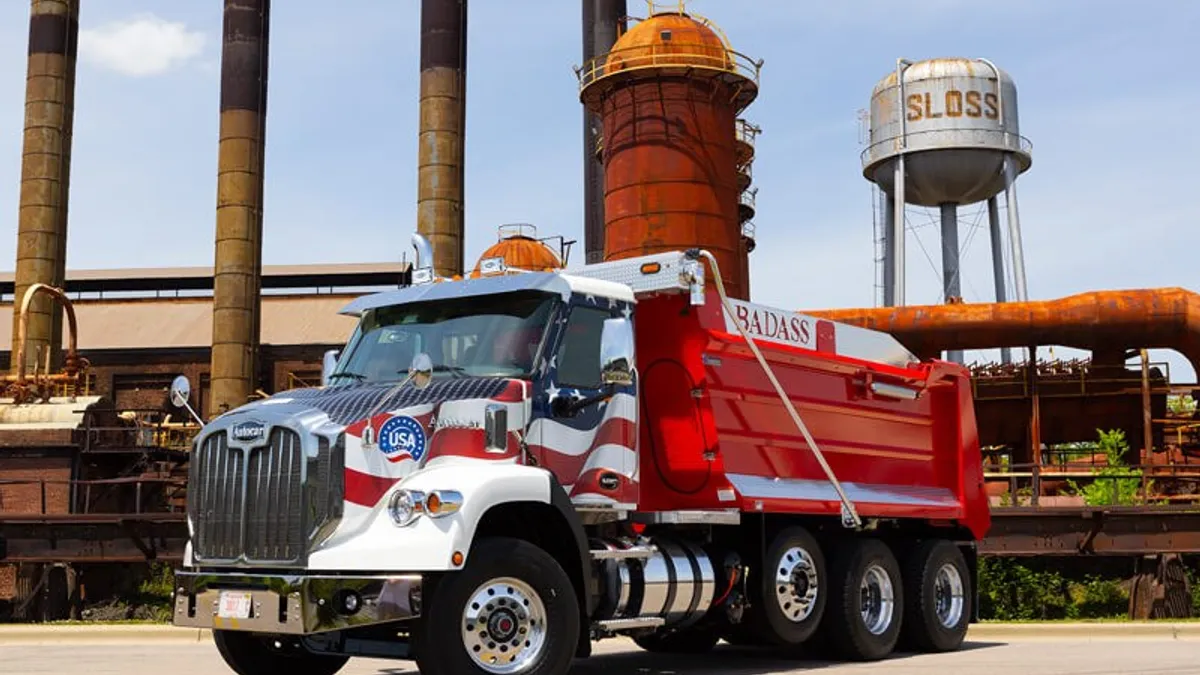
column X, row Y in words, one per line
column 944, row 133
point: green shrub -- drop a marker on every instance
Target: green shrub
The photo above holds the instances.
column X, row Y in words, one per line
column 1115, row 484
column 1011, row 590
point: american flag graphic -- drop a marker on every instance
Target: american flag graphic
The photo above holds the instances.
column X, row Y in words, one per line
column 593, row 454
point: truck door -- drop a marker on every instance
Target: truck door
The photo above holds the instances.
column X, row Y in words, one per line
column 590, row 448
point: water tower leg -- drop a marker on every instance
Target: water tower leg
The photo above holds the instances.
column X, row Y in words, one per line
column 888, row 207
column 998, row 264
column 1014, row 229
column 898, row 232
column 951, row 282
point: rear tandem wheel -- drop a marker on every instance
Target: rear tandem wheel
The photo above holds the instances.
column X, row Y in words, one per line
column 937, row 584
column 788, row 599
column 866, row 600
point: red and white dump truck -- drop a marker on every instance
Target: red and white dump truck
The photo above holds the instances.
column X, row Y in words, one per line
column 500, row 470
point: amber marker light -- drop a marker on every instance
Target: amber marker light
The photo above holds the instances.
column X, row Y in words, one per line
column 457, row 559
column 651, row 268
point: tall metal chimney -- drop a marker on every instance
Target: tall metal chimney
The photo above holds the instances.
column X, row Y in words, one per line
column 238, row 266
column 440, row 160
column 603, row 21
column 45, row 172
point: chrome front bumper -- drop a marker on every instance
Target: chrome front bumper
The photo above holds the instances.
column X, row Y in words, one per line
column 293, row 605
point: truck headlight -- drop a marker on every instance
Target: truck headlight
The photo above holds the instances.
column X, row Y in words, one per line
column 405, row 506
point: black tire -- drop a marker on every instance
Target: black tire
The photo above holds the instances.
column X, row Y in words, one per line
column 923, row 628
column 441, row 646
column 255, row 654
column 787, row 614
column 687, row 641
column 845, row 630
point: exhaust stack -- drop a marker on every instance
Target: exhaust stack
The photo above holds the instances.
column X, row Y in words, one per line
column 45, row 176
column 238, row 267
column 442, row 131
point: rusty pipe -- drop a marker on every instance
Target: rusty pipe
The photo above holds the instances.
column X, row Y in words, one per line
column 46, row 165
column 442, row 132
column 1157, row 318
column 23, row 326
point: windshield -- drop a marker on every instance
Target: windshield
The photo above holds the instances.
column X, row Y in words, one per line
column 485, row 336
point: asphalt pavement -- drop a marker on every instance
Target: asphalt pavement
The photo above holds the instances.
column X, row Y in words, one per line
column 1021, row 650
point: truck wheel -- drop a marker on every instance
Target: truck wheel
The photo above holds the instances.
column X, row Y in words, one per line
column 687, row 641
column 789, row 598
column 254, row 654
column 512, row 609
column 937, row 583
column 866, row 600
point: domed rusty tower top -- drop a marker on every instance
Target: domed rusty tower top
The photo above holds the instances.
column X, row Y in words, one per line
column 520, row 248
column 670, row 41
column 668, row 96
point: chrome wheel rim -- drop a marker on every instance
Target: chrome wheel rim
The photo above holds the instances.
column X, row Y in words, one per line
column 948, row 595
column 877, row 599
column 796, row 584
column 504, row 626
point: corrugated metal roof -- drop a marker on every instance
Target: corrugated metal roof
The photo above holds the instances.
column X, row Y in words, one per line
column 187, row 322
column 207, row 271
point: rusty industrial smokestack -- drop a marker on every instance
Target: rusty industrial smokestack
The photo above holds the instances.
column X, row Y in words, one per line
column 440, row 159
column 1101, row 321
column 45, row 173
column 603, row 22
column 236, row 284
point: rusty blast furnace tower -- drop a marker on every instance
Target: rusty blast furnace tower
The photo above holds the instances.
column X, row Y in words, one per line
column 668, row 96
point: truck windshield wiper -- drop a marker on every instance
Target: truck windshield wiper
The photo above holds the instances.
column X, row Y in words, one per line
column 357, row 377
column 441, row 368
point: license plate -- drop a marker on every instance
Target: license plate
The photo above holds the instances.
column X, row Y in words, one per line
column 234, row 605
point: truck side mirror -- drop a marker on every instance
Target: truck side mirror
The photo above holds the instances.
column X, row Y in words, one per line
column 181, row 394
column 616, row 352
column 328, row 363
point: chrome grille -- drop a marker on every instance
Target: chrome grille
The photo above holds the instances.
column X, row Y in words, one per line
column 263, row 504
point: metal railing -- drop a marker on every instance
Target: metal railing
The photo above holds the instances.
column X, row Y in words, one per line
column 148, row 428
column 294, row 381
column 748, row 198
column 689, row 56
column 747, row 170
column 1071, row 379
column 747, row 133
column 73, row 490
column 1027, row 482
column 927, row 141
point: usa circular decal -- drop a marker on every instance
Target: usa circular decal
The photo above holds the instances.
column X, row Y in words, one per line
column 402, row 437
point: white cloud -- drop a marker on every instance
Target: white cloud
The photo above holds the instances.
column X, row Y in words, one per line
column 140, row 46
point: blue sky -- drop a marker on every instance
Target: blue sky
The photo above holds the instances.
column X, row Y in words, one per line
column 1108, row 94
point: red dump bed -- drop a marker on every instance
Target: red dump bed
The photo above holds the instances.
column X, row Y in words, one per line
column 715, row 434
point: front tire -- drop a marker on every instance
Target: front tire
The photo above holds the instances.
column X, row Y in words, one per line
column 511, row 610
column 938, row 585
column 866, row 601
column 254, row 654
